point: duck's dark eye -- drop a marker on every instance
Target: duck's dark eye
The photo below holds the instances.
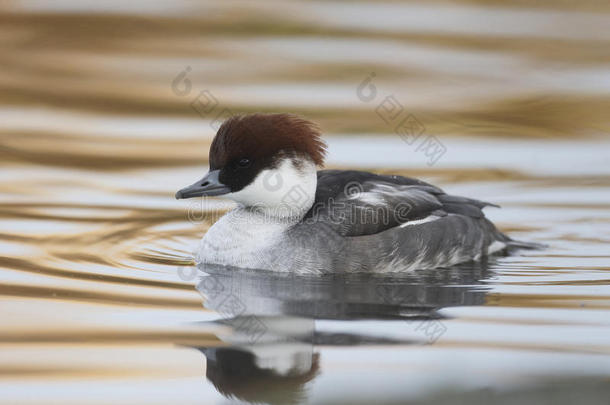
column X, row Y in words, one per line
column 245, row 162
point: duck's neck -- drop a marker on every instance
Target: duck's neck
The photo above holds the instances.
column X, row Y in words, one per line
column 277, row 200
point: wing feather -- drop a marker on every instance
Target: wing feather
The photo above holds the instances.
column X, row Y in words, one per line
column 358, row 203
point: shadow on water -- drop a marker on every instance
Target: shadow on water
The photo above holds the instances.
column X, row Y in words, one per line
column 271, row 321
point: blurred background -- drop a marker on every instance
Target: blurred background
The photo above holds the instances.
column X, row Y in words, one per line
column 107, row 108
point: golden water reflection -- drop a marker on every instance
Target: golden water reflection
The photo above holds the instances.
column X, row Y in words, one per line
column 95, row 140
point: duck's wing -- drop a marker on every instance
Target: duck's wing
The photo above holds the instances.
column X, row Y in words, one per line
column 356, row 203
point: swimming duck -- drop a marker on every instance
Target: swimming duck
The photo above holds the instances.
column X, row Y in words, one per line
column 292, row 217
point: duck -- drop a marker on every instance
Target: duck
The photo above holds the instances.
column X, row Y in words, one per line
column 292, row 216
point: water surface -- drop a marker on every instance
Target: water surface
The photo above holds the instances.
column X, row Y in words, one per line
column 100, row 300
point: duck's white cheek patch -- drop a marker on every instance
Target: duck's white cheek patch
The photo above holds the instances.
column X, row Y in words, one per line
column 286, row 185
column 257, row 192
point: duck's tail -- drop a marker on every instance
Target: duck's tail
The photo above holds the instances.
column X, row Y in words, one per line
column 519, row 244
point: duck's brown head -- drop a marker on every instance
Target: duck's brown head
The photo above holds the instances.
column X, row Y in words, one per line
column 258, row 158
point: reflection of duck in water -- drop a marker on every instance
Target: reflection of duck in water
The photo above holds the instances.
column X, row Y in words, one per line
column 292, row 217
column 271, row 321
column 238, row 373
column 348, row 296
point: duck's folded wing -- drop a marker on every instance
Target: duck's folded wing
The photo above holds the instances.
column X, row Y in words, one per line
column 357, row 203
